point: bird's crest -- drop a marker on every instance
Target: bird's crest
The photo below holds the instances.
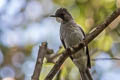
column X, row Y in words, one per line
column 62, row 10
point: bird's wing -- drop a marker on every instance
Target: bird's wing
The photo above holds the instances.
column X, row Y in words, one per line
column 62, row 40
column 87, row 50
column 63, row 43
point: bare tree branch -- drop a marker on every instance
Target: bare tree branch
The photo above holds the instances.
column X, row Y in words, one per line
column 51, row 56
column 105, row 59
column 88, row 39
column 41, row 53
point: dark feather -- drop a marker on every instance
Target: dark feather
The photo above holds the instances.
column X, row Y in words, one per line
column 88, row 57
column 65, row 47
column 63, row 43
column 87, row 51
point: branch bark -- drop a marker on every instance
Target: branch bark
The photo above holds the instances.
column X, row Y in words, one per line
column 88, row 39
column 41, row 53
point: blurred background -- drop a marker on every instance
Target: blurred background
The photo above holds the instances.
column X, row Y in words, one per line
column 24, row 24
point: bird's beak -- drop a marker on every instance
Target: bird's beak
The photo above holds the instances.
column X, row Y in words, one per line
column 53, row 16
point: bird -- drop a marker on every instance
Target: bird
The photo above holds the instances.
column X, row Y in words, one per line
column 72, row 34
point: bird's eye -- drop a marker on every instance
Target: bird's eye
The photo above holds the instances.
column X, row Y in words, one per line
column 62, row 14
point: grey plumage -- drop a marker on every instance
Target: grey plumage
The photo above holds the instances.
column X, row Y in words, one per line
column 71, row 34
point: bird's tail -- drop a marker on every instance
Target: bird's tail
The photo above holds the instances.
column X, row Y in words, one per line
column 85, row 75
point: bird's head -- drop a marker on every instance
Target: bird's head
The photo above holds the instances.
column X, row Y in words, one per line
column 62, row 15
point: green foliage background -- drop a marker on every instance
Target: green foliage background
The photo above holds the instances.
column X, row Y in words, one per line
column 88, row 14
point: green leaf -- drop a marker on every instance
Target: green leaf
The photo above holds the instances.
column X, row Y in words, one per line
column 104, row 42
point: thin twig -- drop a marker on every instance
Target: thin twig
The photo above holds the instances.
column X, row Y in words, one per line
column 41, row 53
column 88, row 39
column 105, row 59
